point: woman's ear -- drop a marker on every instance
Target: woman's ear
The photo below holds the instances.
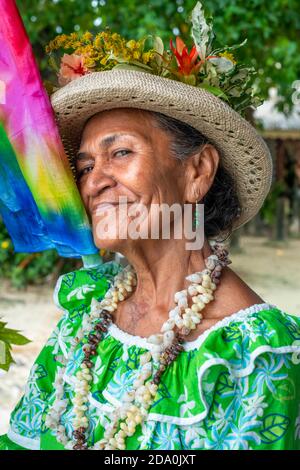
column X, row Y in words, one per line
column 201, row 169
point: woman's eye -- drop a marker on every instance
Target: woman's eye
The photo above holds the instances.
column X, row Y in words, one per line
column 123, row 152
column 84, row 171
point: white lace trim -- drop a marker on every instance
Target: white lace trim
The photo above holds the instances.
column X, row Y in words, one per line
column 27, row 442
column 132, row 340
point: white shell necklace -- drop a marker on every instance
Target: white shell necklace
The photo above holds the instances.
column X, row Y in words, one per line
column 165, row 346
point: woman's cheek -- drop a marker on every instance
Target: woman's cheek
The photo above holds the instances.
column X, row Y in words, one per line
column 81, row 188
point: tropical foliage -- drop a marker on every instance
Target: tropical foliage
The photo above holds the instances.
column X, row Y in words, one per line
column 273, row 33
column 7, row 338
column 205, row 66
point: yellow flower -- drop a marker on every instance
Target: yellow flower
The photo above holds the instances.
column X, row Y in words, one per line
column 73, row 36
column 5, row 244
column 98, row 42
column 115, row 36
column 89, row 62
column 102, row 251
column 87, row 36
column 228, row 56
column 147, row 56
column 132, row 44
column 136, row 55
column 95, row 52
column 103, row 61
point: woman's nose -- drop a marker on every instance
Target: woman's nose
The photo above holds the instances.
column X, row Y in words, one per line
column 98, row 180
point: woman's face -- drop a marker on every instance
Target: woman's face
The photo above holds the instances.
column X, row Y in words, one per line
column 123, row 154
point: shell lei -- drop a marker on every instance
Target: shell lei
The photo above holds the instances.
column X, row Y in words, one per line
column 164, row 348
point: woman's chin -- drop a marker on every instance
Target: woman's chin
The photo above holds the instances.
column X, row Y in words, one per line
column 110, row 244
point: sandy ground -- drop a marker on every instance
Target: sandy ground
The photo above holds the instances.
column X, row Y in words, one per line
column 272, row 270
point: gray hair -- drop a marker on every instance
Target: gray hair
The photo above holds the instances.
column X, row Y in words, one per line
column 221, row 203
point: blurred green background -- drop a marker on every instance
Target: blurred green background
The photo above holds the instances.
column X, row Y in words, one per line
column 272, row 30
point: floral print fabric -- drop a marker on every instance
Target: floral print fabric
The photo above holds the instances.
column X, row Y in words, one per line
column 241, row 387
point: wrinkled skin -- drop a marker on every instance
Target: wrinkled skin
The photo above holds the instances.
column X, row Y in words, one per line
column 139, row 165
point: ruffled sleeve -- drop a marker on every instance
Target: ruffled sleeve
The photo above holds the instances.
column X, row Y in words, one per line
column 74, row 289
column 241, row 387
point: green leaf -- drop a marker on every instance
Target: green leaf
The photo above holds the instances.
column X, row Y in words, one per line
column 13, row 337
column 201, row 30
column 214, row 90
column 158, row 46
column 163, row 390
column 6, row 358
column 130, row 67
column 285, row 390
column 188, row 79
column 52, row 62
column 2, row 325
column 120, row 60
column 224, row 384
column 49, row 87
column 229, row 48
column 274, row 428
column 3, row 347
column 232, row 333
column 40, row 372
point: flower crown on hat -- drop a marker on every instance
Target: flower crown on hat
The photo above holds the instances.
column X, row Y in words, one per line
column 214, row 70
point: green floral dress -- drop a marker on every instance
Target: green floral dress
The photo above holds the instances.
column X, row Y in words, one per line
column 237, row 386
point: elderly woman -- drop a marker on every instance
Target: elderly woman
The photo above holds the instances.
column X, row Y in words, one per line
column 174, row 350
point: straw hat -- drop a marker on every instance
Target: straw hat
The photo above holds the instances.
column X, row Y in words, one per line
column 243, row 152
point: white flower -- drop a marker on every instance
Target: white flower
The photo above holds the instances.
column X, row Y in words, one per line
column 222, row 64
column 267, row 372
column 187, row 405
column 147, row 433
column 97, row 369
column 166, row 436
column 194, row 436
column 223, row 417
column 243, row 433
column 255, row 405
column 60, row 336
column 80, row 291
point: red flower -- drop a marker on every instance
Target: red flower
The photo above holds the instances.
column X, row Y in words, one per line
column 186, row 61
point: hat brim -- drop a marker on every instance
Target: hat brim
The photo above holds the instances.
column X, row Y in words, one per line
column 244, row 153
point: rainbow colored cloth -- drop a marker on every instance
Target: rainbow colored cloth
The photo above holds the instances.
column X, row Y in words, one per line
column 39, row 200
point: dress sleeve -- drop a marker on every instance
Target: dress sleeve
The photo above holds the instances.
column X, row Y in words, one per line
column 25, row 426
column 72, row 294
column 252, row 383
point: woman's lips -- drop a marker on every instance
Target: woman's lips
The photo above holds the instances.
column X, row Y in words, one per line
column 106, row 206
column 103, row 207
